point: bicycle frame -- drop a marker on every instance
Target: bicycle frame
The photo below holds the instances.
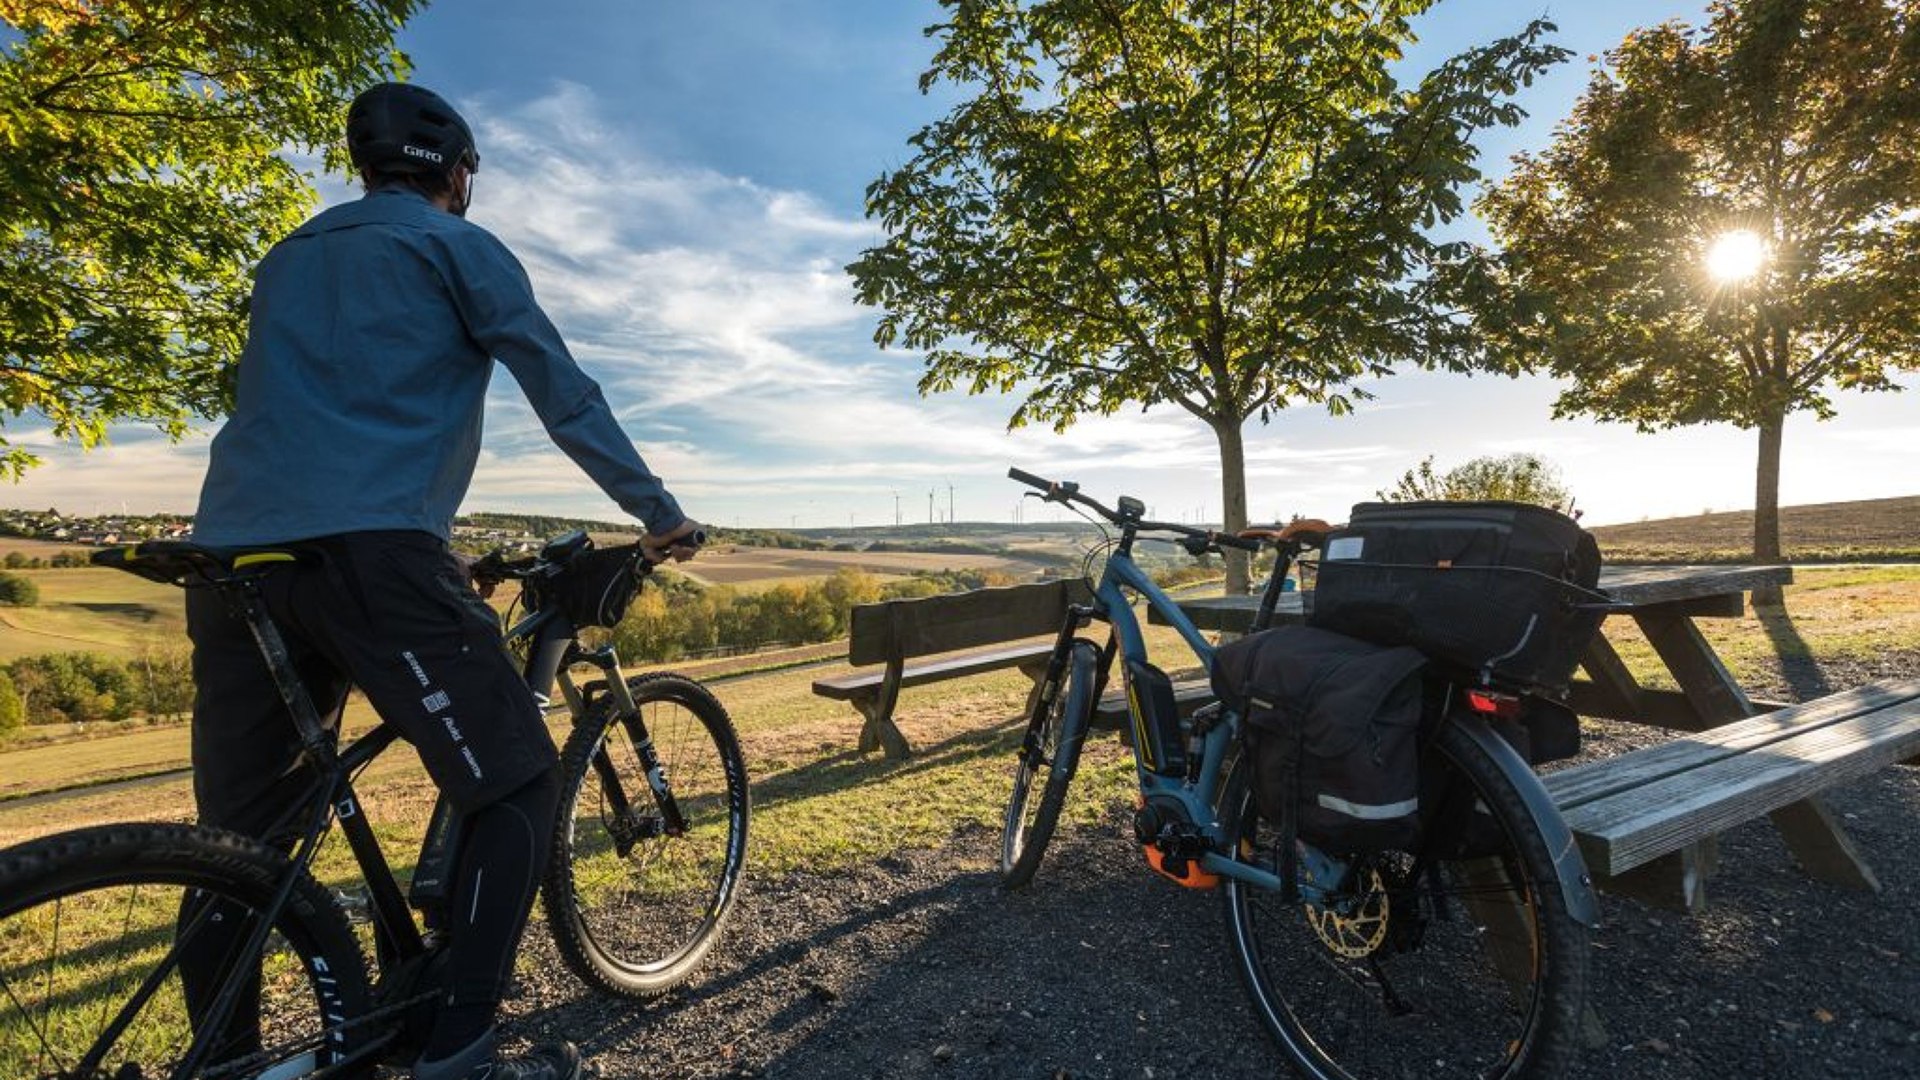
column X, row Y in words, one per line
column 1198, row 791
column 1199, row 795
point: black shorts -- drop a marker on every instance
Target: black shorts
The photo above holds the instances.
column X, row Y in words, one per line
column 391, row 613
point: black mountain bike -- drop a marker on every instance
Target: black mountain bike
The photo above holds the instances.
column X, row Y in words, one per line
column 646, row 867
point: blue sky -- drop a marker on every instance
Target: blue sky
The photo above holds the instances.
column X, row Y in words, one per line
column 685, row 183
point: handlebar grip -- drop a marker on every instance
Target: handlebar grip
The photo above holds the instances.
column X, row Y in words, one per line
column 1029, row 479
column 696, row 538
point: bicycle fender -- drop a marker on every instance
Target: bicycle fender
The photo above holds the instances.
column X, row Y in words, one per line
column 1576, row 884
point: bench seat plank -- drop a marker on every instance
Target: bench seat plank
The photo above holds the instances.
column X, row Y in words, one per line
column 1600, row 779
column 848, row 687
column 1631, row 827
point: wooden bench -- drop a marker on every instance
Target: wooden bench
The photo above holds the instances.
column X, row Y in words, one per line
column 1645, row 820
column 897, row 631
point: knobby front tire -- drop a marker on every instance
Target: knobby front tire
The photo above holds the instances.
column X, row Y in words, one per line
column 88, row 919
column 1040, row 782
column 1480, row 972
column 635, row 900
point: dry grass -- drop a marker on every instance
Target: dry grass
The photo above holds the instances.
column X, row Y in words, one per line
column 750, row 566
column 45, row 549
column 92, row 610
column 1873, row 529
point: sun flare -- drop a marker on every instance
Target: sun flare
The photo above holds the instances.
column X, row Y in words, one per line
column 1735, row 256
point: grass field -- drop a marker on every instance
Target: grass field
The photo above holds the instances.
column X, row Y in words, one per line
column 751, row 567
column 91, row 610
column 44, row 549
column 1872, row 529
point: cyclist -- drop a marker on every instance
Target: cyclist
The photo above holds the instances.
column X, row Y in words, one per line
column 373, row 332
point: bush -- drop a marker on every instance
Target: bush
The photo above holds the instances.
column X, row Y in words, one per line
column 13, row 712
column 1526, row 478
column 17, row 590
column 62, row 688
column 665, row 624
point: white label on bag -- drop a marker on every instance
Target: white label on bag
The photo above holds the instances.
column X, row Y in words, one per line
column 1347, row 547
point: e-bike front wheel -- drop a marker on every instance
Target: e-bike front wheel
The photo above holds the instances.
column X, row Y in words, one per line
column 1460, row 960
column 1045, row 766
column 117, row 941
column 651, row 842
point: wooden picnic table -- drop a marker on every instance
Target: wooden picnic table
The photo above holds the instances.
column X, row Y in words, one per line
column 1664, row 603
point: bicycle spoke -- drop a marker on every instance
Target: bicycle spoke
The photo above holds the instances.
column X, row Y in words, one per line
column 53, row 962
column 27, row 1015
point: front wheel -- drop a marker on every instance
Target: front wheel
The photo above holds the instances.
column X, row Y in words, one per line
column 651, row 840
column 1459, row 960
column 116, row 941
column 1045, row 767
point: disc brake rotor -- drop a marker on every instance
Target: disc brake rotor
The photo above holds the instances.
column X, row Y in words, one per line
column 1354, row 923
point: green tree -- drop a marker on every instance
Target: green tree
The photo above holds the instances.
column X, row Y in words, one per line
column 15, row 560
column 163, row 679
column 142, row 176
column 1218, row 205
column 1728, row 226
column 847, row 589
column 13, row 711
column 1526, row 478
column 78, row 687
column 17, row 590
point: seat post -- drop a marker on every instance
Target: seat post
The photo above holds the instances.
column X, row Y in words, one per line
column 243, row 599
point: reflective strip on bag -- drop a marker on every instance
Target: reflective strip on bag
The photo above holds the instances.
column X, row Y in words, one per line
column 1383, row 812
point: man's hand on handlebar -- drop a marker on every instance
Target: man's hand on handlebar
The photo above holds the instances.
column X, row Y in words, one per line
column 679, row 543
column 474, row 568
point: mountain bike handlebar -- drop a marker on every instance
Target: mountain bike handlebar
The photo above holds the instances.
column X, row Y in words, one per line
column 1066, row 491
column 494, row 567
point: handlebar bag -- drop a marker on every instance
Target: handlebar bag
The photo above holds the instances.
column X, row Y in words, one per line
column 595, row 586
column 1332, row 724
column 1501, row 592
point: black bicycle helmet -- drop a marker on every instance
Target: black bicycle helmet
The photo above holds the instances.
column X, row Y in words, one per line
column 402, row 128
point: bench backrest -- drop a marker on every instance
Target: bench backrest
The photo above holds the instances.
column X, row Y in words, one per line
column 899, row 629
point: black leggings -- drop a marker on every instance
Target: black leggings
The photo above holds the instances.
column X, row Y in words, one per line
column 502, row 855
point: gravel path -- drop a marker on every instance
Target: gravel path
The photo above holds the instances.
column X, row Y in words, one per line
column 921, row 966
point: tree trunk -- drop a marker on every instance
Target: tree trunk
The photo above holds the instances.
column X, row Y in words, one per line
column 1233, row 498
column 1766, row 504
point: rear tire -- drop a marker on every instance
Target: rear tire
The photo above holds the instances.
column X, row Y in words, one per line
column 1032, row 814
column 1478, row 973
column 637, row 922
column 87, row 916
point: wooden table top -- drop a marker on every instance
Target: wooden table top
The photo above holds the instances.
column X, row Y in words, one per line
column 1635, row 586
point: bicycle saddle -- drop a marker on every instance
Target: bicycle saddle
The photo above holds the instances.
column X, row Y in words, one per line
column 172, row 562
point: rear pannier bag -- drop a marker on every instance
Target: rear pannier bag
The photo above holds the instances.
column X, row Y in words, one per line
column 1332, row 726
column 1494, row 589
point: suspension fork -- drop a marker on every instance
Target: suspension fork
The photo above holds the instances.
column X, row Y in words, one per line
column 628, row 826
column 1077, row 616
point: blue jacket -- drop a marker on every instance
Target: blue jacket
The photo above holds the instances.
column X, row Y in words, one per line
column 372, row 336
